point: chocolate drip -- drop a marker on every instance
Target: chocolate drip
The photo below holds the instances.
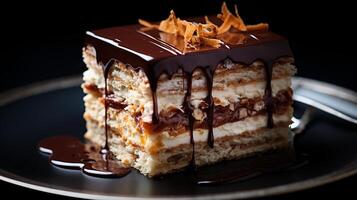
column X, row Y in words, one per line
column 188, row 111
column 155, row 116
column 210, row 110
column 106, row 70
column 268, row 96
column 69, row 152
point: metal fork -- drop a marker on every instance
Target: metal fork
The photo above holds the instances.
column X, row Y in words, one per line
column 299, row 125
column 334, row 92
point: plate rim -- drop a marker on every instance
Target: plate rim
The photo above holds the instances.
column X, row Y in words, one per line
column 72, row 81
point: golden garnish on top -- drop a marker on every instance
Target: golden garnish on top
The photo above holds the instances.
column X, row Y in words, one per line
column 200, row 34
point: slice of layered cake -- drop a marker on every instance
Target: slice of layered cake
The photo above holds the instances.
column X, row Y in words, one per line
column 165, row 96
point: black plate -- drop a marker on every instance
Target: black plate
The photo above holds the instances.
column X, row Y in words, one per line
column 55, row 108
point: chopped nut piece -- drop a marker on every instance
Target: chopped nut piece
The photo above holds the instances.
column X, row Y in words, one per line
column 212, row 42
column 170, row 24
column 229, row 20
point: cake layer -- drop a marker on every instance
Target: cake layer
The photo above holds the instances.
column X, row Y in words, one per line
column 175, row 120
column 171, row 159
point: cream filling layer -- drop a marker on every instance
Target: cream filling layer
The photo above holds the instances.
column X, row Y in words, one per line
column 228, row 129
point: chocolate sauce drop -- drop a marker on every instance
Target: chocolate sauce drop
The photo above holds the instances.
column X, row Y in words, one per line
column 69, row 152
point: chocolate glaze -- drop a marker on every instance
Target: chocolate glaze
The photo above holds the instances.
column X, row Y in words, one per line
column 157, row 53
column 69, row 152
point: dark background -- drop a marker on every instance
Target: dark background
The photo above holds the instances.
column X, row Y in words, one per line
column 42, row 41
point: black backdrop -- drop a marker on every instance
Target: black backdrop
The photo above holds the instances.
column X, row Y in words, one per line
column 44, row 40
column 41, row 41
